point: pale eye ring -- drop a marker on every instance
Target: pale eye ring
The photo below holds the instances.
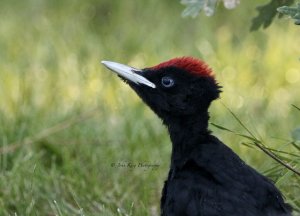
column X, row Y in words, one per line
column 167, row 82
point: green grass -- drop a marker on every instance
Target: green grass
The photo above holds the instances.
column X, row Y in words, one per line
column 60, row 163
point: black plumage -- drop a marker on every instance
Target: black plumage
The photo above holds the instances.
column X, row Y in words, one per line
column 206, row 177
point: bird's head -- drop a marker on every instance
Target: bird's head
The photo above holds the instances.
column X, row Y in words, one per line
column 179, row 87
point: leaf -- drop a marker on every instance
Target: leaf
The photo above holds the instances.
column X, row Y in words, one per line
column 296, row 146
column 284, row 178
column 209, row 7
column 250, row 138
column 249, row 145
column 193, row 7
column 296, row 134
column 267, row 12
column 241, row 123
column 241, row 135
column 283, row 152
column 221, row 127
column 293, row 12
column 296, row 107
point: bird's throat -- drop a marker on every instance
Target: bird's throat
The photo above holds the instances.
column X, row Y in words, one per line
column 187, row 134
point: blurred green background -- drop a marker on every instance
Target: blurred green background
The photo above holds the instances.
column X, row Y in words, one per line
column 65, row 119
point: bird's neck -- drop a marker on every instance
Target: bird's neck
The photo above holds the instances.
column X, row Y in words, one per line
column 187, row 134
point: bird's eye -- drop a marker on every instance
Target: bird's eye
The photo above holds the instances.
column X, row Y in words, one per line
column 167, row 82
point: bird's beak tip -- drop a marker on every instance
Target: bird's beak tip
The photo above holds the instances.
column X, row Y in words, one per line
column 104, row 62
column 128, row 73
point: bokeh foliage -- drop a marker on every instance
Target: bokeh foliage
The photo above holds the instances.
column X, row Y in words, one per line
column 50, row 72
column 292, row 12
